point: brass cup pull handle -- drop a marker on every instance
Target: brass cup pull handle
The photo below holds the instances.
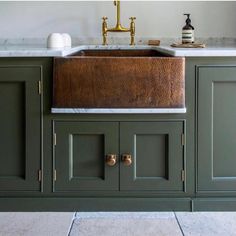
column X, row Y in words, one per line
column 126, row 159
column 111, row 159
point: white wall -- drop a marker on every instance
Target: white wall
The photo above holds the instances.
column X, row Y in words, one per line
column 83, row 19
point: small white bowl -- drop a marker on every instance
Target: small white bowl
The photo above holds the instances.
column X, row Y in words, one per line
column 55, row 40
column 67, row 40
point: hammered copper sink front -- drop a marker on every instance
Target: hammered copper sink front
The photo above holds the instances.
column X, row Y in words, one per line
column 119, row 79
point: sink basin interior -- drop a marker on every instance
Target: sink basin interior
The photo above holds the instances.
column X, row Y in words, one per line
column 119, row 53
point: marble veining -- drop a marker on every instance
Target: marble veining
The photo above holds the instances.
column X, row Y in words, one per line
column 120, row 110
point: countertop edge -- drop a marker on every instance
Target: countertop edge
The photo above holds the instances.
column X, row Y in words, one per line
column 119, row 110
column 217, row 51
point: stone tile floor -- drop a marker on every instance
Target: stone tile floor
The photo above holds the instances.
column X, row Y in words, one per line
column 118, row 224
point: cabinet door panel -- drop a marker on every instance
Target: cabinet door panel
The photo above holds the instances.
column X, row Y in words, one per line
column 20, row 122
column 80, row 156
column 217, row 129
column 157, row 156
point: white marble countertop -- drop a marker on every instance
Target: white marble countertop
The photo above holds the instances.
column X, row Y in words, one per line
column 32, row 51
column 42, row 51
column 208, row 51
column 120, row 110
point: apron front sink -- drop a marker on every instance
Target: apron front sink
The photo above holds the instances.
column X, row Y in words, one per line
column 135, row 78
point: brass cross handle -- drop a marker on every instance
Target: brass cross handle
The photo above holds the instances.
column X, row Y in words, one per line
column 126, row 159
column 132, row 18
column 111, row 159
column 104, row 18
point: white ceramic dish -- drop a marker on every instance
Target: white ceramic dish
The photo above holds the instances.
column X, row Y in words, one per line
column 55, row 40
column 67, row 39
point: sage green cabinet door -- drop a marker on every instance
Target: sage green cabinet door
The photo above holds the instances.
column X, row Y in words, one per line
column 20, row 124
column 216, row 128
column 80, row 154
column 157, row 156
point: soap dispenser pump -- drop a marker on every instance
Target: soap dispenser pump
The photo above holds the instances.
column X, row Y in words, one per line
column 188, row 31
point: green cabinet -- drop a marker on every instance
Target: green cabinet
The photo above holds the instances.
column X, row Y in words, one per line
column 155, row 148
column 79, row 155
column 20, row 125
column 216, row 132
column 158, row 157
column 58, row 162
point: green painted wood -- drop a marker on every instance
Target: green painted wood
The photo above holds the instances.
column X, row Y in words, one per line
column 216, row 128
column 95, row 204
column 93, row 200
column 80, row 156
column 20, row 124
column 214, row 204
column 157, row 154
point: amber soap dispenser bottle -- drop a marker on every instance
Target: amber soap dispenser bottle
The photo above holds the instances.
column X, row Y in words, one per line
column 188, row 31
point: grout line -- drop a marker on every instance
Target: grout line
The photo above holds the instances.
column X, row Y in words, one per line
column 179, row 224
column 71, row 224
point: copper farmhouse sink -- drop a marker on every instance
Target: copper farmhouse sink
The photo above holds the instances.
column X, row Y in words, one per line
column 137, row 78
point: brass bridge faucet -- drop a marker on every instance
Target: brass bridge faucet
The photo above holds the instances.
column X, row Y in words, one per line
column 118, row 27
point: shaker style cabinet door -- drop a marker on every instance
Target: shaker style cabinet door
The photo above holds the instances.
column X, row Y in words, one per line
column 152, row 156
column 20, row 125
column 216, row 156
column 80, row 155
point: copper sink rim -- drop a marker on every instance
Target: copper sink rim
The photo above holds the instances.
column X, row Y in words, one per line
column 163, row 54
